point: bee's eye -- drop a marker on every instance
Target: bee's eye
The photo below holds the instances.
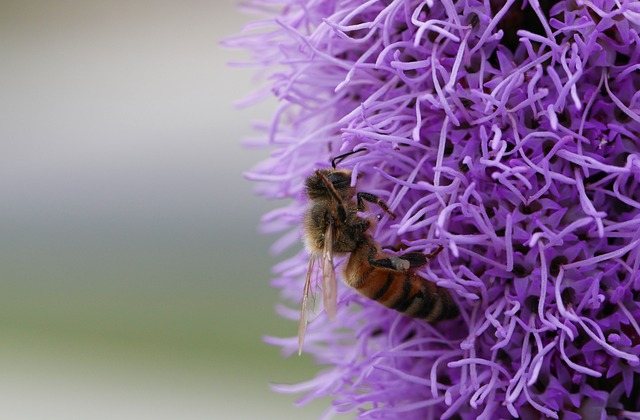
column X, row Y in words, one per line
column 339, row 180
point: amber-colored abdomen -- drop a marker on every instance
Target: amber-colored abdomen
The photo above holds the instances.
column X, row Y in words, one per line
column 399, row 290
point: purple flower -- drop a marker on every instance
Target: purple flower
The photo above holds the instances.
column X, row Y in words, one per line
column 508, row 131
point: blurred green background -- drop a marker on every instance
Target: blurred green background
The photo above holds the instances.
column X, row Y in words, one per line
column 134, row 284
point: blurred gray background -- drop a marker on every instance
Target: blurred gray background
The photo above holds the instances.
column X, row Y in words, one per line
column 133, row 282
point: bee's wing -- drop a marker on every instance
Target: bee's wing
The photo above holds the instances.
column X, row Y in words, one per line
column 329, row 285
column 304, row 312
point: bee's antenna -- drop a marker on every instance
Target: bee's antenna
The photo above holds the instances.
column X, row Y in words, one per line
column 340, row 158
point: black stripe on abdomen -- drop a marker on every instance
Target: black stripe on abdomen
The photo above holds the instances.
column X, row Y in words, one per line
column 385, row 287
column 427, row 306
column 404, row 301
column 362, row 278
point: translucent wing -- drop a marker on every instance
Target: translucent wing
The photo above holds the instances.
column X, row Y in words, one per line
column 329, row 285
column 304, row 312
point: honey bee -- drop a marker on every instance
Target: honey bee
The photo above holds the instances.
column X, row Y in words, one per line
column 332, row 226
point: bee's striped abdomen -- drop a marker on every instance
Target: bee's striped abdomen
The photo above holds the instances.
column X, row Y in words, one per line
column 400, row 290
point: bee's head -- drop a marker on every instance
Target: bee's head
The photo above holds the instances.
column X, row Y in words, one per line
column 316, row 184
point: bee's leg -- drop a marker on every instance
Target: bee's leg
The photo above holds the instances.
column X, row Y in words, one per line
column 391, row 263
column 372, row 198
column 418, row 259
column 342, row 214
column 415, row 259
column 436, row 252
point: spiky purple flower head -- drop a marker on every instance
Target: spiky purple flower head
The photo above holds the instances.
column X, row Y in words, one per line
column 508, row 131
